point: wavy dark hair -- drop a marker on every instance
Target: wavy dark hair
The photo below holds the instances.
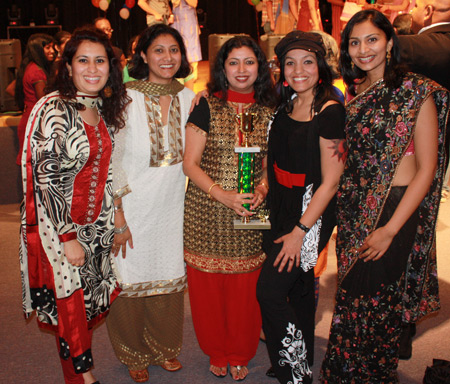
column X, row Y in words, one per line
column 323, row 90
column 393, row 71
column 265, row 93
column 139, row 69
column 34, row 53
column 112, row 107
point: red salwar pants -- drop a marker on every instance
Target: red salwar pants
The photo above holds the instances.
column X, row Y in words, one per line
column 226, row 315
column 70, row 376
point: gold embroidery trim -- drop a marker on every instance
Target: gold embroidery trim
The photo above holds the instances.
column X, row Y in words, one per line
column 159, row 156
column 122, row 192
column 217, row 264
column 196, row 129
column 152, row 288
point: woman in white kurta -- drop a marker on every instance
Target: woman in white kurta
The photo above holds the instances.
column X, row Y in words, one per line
column 146, row 325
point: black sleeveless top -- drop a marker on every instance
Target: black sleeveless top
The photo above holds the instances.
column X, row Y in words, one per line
column 294, row 147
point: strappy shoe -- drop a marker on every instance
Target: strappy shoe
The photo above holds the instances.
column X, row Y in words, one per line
column 223, row 371
column 139, row 376
column 172, row 365
column 238, row 368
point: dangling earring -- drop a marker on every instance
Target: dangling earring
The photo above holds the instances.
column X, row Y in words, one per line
column 388, row 57
column 285, row 83
column 352, row 64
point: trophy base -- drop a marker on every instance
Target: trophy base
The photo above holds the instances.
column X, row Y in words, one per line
column 252, row 224
column 247, row 149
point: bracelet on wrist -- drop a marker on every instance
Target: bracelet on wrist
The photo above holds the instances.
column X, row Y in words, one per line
column 118, row 208
column 303, row 227
column 210, row 188
column 119, row 231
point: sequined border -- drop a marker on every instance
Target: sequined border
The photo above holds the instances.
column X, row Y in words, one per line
column 215, row 264
column 153, row 288
column 122, row 192
column 196, row 129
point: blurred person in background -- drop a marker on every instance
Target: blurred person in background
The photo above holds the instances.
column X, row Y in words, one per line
column 185, row 21
column 32, row 79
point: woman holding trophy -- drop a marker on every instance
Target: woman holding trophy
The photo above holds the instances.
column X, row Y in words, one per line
column 306, row 157
column 223, row 263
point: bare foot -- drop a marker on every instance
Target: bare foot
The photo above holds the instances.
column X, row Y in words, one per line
column 89, row 378
column 218, row 371
column 238, row 372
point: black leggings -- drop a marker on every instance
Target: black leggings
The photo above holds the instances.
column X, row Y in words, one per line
column 287, row 308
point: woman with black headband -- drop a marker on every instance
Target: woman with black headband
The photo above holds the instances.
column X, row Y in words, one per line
column 306, row 157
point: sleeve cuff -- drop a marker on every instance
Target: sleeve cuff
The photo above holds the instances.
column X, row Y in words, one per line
column 122, row 192
column 67, row 237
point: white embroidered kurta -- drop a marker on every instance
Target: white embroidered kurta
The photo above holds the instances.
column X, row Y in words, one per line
column 148, row 175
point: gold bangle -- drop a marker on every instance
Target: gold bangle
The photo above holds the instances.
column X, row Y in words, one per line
column 210, row 188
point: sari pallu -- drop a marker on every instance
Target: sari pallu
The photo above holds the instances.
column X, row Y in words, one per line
column 378, row 138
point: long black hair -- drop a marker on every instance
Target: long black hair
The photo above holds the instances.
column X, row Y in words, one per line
column 34, row 53
column 115, row 99
column 393, row 70
column 139, row 69
column 264, row 90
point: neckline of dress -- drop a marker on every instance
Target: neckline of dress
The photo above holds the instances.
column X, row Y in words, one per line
column 371, row 86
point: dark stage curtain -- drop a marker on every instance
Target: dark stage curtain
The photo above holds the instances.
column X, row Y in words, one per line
column 222, row 16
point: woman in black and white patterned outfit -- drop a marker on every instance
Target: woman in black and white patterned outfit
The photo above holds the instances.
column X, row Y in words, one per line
column 67, row 217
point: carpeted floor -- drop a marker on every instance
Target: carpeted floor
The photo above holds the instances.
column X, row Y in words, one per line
column 28, row 355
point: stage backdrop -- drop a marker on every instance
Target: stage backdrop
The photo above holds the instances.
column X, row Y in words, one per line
column 216, row 16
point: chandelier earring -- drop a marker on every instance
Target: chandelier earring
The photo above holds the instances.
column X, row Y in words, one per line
column 388, row 57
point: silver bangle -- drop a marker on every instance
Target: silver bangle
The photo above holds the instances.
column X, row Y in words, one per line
column 118, row 208
column 119, row 231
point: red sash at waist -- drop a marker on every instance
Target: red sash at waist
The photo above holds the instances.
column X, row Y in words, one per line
column 288, row 179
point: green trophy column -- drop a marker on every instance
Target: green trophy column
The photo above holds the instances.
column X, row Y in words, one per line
column 245, row 174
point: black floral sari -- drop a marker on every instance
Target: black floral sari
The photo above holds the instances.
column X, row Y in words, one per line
column 373, row 298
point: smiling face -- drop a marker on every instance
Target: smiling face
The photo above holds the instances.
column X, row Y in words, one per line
column 301, row 70
column 367, row 48
column 49, row 52
column 163, row 58
column 90, row 68
column 241, row 69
